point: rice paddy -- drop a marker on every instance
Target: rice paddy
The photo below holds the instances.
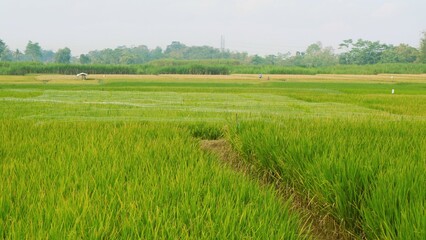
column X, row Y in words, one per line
column 120, row 156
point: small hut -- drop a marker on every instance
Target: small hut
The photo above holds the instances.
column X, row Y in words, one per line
column 83, row 76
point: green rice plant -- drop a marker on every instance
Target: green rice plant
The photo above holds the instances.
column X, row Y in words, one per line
column 206, row 131
column 122, row 159
column 127, row 180
column 359, row 170
column 396, row 206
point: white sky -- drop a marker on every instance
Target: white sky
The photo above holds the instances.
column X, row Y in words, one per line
column 255, row 26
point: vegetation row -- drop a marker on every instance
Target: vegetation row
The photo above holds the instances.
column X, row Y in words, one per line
column 211, row 67
column 351, row 52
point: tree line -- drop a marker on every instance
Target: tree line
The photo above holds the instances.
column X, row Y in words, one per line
column 351, row 52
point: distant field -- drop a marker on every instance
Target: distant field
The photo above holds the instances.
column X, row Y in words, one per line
column 118, row 156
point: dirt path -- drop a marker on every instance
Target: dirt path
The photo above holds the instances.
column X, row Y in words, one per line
column 322, row 226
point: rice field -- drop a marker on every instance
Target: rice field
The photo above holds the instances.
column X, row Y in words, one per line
column 120, row 156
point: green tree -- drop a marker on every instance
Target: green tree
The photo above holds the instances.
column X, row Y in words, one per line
column 422, row 55
column 33, row 52
column 314, row 48
column 402, row 53
column 105, row 56
column 156, row 53
column 18, row 55
column 283, row 58
column 203, row 52
column 298, row 59
column 5, row 53
column 346, row 57
column 271, row 59
column 47, row 56
column 63, row 56
column 175, row 50
column 128, row 58
column 84, row 59
column 317, row 56
column 361, row 52
column 3, row 49
column 257, row 60
column 140, row 54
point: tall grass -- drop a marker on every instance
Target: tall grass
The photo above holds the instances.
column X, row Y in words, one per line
column 391, row 68
column 22, row 68
column 155, row 68
column 205, row 67
column 196, row 69
column 90, row 180
column 369, row 174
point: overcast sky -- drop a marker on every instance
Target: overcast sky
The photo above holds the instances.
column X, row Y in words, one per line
column 255, row 26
